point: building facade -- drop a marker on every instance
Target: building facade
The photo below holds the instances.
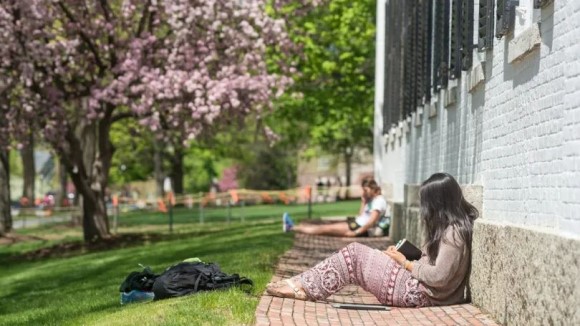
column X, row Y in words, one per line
column 489, row 91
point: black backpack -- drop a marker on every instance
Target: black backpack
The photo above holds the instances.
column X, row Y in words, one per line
column 142, row 281
column 188, row 278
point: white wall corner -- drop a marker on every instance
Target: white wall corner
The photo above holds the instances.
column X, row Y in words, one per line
column 400, row 129
column 386, row 141
column 432, row 107
column 475, row 76
column 524, row 44
column 418, row 116
column 406, row 123
column 450, row 94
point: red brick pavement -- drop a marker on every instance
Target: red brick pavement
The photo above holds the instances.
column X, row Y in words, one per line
column 307, row 251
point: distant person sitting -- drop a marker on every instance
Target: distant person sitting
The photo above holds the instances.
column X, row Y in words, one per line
column 373, row 218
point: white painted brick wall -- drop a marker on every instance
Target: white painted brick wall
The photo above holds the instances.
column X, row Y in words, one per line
column 517, row 134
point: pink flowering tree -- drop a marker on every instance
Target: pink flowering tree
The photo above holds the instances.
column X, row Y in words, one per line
column 229, row 179
column 15, row 125
column 173, row 65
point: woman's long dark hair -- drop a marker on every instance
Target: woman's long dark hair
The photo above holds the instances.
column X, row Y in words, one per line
column 443, row 205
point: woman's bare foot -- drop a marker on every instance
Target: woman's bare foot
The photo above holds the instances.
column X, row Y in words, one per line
column 289, row 288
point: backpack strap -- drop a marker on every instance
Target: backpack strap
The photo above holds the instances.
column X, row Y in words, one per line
column 197, row 282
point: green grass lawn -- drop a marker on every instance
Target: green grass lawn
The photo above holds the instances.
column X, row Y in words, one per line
column 83, row 289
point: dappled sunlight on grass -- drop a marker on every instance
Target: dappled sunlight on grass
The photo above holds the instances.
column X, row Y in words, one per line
column 86, row 286
column 83, row 288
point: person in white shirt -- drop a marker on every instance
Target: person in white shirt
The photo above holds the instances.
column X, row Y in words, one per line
column 374, row 209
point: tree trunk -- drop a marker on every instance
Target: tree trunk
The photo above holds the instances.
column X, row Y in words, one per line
column 87, row 156
column 27, row 154
column 95, row 220
column 5, row 214
column 177, row 170
column 62, row 181
column 348, row 164
column 90, row 177
column 158, row 169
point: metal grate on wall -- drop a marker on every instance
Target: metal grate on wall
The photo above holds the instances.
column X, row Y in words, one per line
column 505, row 16
column 441, row 44
column 393, row 85
column 467, row 35
column 427, row 43
column 485, row 25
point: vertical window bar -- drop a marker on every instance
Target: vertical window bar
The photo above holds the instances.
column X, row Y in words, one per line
column 456, row 40
column 420, row 43
column 395, row 82
column 467, row 34
column 446, row 43
column 408, row 57
column 499, row 31
column 387, row 88
column 394, row 79
column 438, row 44
column 428, row 49
column 398, row 62
column 505, row 14
column 441, row 51
column 485, row 25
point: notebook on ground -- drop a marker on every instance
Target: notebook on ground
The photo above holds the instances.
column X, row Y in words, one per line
column 360, row 306
column 409, row 250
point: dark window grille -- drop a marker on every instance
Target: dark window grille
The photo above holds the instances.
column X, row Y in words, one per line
column 410, row 53
column 420, row 46
column 485, row 25
column 398, row 62
column 426, row 31
column 427, row 42
column 386, row 70
column 466, row 34
column 505, row 16
column 441, row 45
column 456, row 40
column 394, row 81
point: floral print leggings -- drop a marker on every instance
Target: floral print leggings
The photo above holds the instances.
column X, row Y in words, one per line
column 369, row 268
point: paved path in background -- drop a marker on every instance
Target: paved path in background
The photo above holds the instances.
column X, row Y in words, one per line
column 306, row 252
column 36, row 221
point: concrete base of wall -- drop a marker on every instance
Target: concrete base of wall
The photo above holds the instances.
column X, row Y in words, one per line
column 396, row 231
column 412, row 225
column 525, row 277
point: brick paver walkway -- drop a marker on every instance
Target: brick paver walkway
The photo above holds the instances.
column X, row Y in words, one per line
column 307, row 251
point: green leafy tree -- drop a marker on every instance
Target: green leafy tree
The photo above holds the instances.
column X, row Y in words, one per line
column 331, row 103
column 134, row 150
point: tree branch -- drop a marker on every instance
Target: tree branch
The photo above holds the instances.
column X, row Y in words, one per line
column 110, row 38
column 143, row 19
column 85, row 39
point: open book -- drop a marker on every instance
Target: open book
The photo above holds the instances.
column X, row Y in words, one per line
column 408, row 249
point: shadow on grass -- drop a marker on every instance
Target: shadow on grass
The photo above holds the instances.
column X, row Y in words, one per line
column 87, row 284
column 125, row 240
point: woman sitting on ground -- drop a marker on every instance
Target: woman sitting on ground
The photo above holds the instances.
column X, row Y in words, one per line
column 373, row 208
column 438, row 278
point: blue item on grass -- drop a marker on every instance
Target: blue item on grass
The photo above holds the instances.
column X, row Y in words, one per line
column 136, row 296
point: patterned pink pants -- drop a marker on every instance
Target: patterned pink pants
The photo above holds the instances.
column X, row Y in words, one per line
column 369, row 268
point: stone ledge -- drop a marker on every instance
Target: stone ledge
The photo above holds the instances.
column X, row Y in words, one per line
column 525, row 277
column 524, row 44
